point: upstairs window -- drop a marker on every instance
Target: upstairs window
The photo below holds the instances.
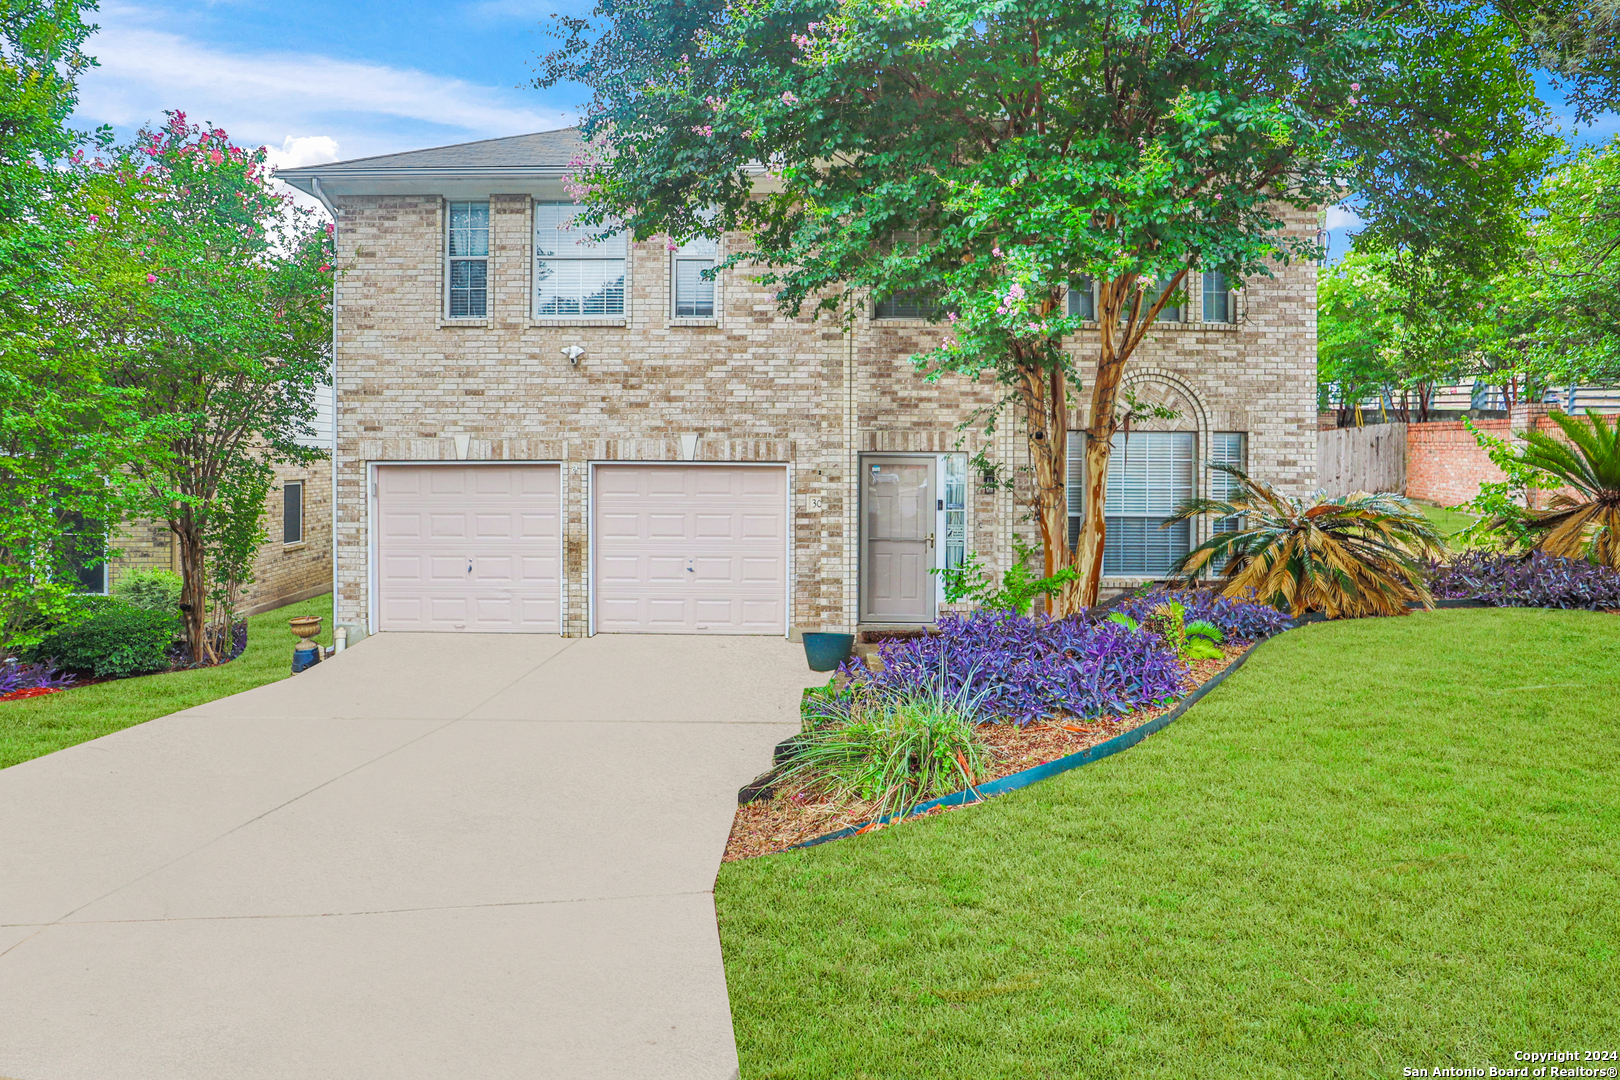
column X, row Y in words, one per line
column 911, row 304
column 694, row 293
column 468, row 253
column 576, row 275
column 1218, row 298
column 292, row 512
column 1170, row 312
column 1083, row 299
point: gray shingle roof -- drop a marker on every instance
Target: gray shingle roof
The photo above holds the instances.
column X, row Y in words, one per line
column 542, row 149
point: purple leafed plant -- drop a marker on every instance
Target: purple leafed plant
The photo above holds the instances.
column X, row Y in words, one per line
column 1541, row 580
column 1024, row 668
column 1239, row 620
column 41, row 676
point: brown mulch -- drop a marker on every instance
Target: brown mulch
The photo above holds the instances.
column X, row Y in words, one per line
column 776, row 824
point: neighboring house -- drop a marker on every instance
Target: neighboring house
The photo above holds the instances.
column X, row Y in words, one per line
column 295, row 560
column 537, row 433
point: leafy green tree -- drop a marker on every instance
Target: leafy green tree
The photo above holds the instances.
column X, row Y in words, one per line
column 987, row 155
column 221, row 342
column 63, row 432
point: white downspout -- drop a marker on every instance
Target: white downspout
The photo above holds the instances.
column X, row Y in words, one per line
column 315, row 183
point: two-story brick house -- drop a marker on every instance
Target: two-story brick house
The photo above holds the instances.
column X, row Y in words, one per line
column 537, row 433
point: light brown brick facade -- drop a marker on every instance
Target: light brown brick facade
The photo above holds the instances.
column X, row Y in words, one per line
column 750, row 384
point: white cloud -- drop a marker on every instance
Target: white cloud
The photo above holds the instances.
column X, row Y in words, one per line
column 299, row 150
column 262, row 97
column 1341, row 217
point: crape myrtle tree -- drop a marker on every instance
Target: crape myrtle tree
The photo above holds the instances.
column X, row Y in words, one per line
column 222, row 341
column 986, row 155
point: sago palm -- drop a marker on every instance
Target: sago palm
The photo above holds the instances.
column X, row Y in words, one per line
column 1586, row 524
column 1349, row 556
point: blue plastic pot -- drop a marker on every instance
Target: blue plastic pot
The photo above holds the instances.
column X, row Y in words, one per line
column 825, row 652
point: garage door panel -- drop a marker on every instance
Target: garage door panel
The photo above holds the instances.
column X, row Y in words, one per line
column 706, row 553
column 502, row 520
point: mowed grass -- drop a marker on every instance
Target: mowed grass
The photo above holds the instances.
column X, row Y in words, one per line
column 37, row 726
column 1381, row 843
column 1445, row 520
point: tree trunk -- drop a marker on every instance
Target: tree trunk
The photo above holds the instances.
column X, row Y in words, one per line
column 1043, row 392
column 193, row 587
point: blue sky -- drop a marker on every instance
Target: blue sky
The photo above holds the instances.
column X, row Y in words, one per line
column 320, row 81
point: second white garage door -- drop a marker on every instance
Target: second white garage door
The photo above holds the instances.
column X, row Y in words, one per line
column 469, row 547
column 691, row 549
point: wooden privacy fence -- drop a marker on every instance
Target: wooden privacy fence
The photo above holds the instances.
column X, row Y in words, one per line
column 1371, row 458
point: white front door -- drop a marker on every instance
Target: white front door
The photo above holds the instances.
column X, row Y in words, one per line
column 691, row 549
column 469, row 548
column 898, row 539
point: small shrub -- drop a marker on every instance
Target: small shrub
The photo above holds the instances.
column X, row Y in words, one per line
column 1024, row 668
column 1197, row 639
column 1238, row 619
column 116, row 639
column 892, row 751
column 1537, row 580
column 154, row 590
column 1019, row 585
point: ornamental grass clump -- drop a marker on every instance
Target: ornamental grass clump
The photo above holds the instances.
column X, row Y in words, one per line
column 1026, row 668
column 1504, row 579
column 1347, row 556
column 889, row 750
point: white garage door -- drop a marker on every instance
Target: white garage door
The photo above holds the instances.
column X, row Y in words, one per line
column 469, row 547
column 691, row 549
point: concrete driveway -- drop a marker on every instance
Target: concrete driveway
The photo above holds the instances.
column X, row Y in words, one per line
column 434, row 856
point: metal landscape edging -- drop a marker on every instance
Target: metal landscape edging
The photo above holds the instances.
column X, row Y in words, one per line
column 1012, row 782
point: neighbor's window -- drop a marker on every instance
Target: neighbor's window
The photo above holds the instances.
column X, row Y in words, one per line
column 1219, row 303
column 292, row 512
column 468, row 248
column 1149, row 474
column 574, row 274
column 694, row 294
column 1083, row 299
column 85, row 542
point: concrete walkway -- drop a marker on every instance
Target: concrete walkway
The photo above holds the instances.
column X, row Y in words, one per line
column 434, row 856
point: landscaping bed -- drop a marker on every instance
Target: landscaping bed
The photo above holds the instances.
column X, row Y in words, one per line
column 1381, row 842
column 776, row 824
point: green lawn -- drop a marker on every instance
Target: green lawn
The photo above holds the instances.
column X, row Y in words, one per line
column 1381, row 843
column 33, row 727
column 1445, row 519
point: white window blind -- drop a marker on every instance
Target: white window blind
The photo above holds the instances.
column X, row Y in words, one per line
column 694, row 294
column 1149, row 474
column 1227, row 448
column 1218, row 299
column 468, row 251
column 574, row 274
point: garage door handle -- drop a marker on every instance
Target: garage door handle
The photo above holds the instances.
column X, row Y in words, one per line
column 469, row 566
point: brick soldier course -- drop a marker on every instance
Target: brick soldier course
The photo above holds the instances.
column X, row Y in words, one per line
column 749, row 384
